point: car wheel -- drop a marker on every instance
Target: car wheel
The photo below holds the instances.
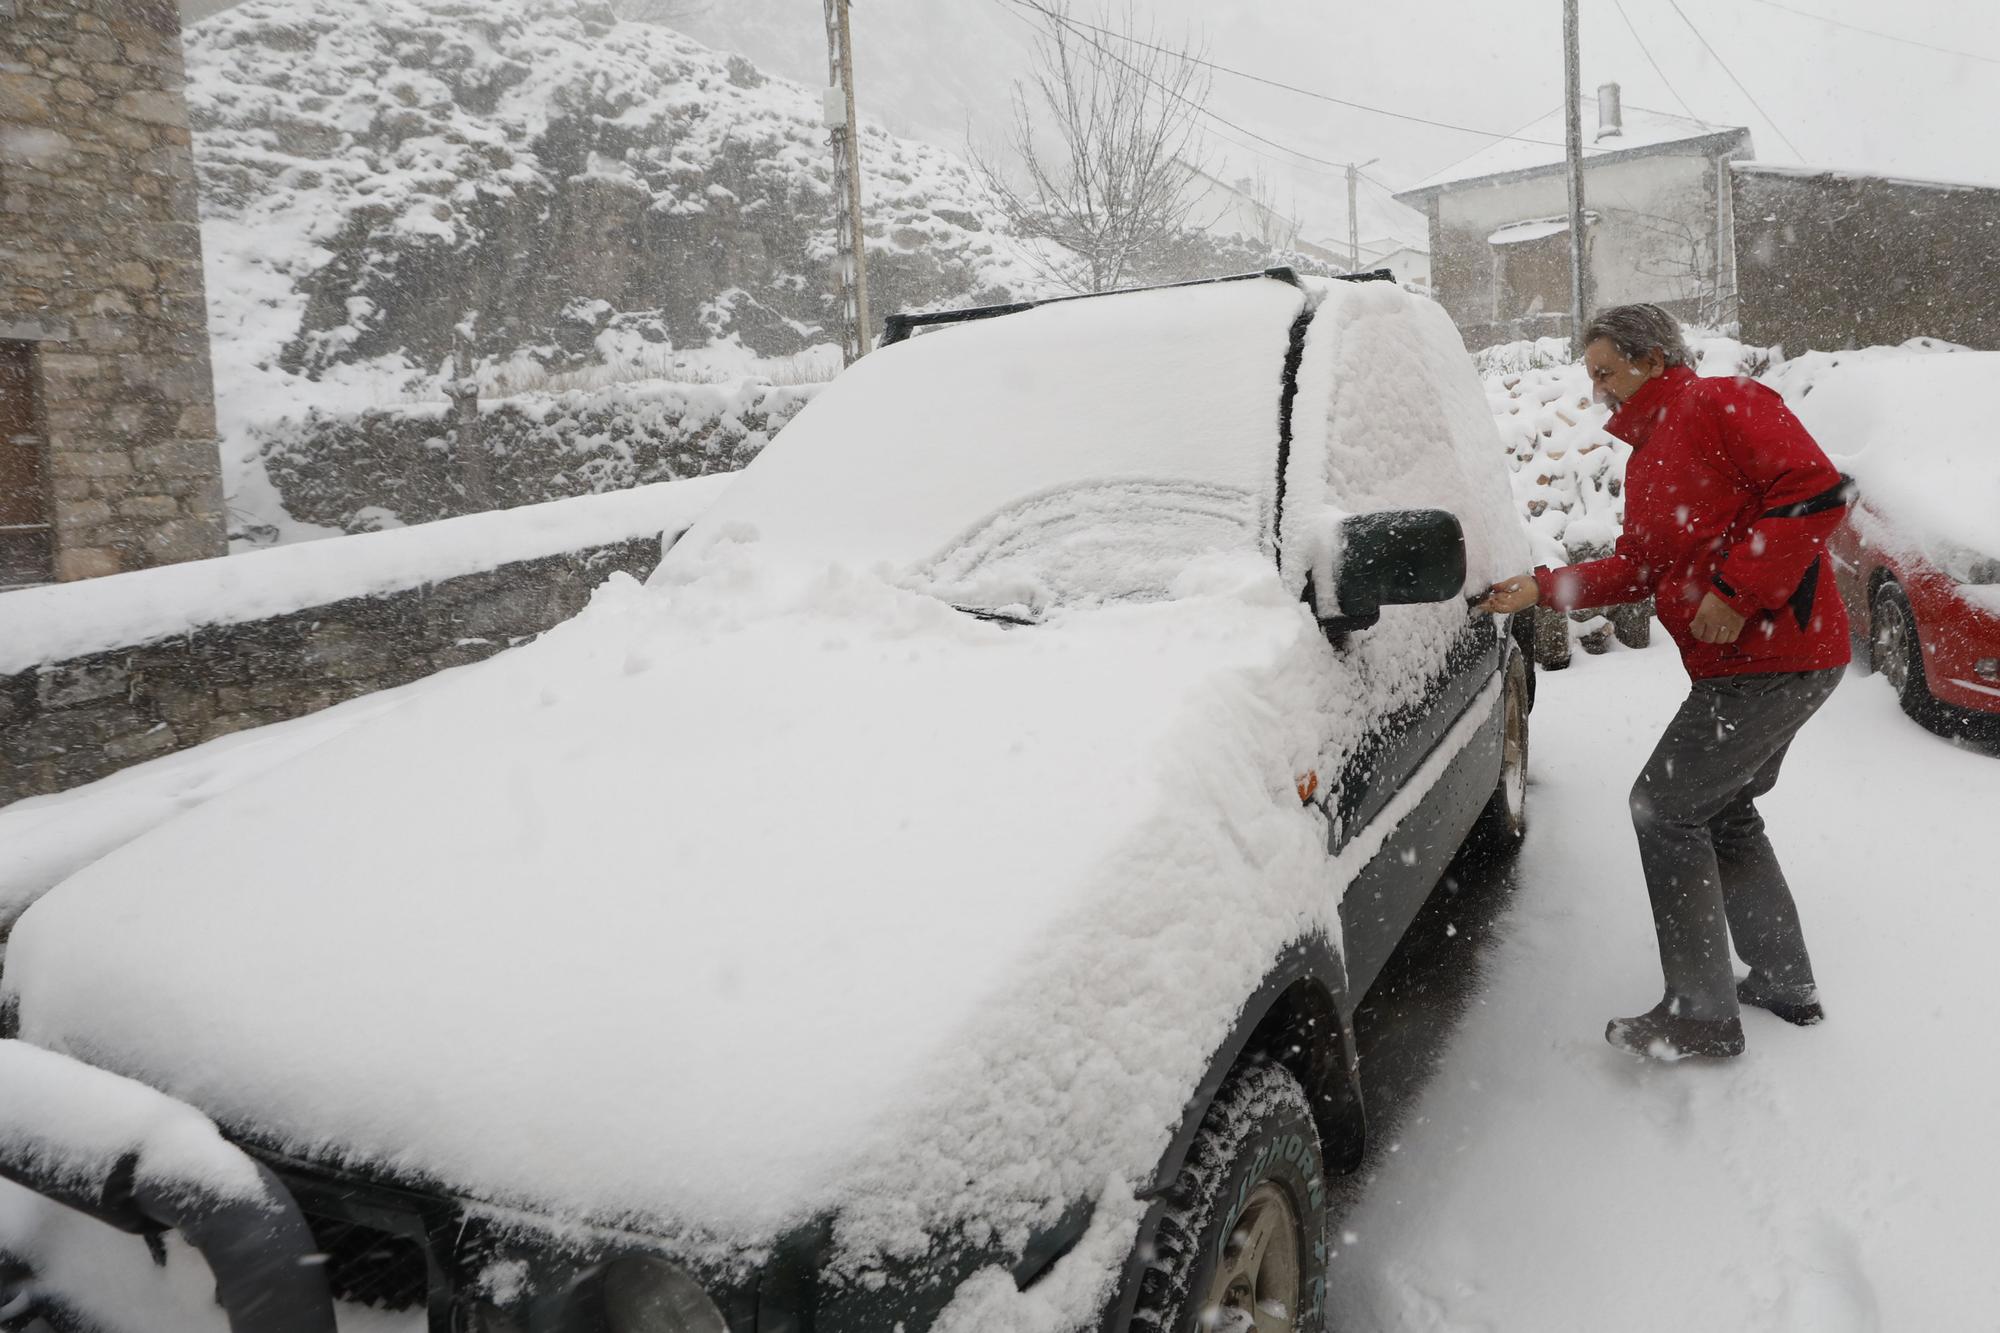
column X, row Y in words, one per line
column 1504, row 821
column 1242, row 1245
column 1898, row 656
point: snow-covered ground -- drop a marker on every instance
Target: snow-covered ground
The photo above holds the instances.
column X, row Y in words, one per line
column 1837, row 1178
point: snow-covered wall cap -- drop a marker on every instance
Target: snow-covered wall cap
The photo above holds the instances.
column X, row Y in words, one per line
column 66, row 620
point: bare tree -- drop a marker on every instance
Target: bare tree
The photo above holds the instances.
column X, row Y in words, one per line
column 1683, row 254
column 1276, row 230
column 1102, row 137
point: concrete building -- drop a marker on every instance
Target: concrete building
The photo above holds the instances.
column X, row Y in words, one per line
column 1248, row 208
column 1658, row 225
column 108, row 454
column 1410, row 263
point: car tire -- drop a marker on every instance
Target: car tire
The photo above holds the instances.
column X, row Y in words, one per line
column 1242, row 1244
column 1504, row 822
column 1897, row 655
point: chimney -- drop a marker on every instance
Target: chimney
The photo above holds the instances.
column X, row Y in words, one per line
column 1610, row 116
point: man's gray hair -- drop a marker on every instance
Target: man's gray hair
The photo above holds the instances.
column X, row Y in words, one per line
column 1638, row 329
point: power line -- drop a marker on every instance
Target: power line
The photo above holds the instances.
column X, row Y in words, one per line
column 1676, row 7
column 1633, row 28
column 1195, row 106
column 1067, row 21
column 1459, row 162
column 1885, row 36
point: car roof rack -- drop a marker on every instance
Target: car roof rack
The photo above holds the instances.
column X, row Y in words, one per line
column 901, row 325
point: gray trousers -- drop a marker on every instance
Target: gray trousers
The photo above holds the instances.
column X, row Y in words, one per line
column 1710, row 870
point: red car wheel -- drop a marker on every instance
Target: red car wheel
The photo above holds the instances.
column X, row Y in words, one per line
column 1896, row 652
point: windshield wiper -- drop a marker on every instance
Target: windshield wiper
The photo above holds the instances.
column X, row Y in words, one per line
column 1003, row 617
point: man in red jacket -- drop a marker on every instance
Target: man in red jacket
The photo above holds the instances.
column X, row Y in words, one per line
column 1728, row 505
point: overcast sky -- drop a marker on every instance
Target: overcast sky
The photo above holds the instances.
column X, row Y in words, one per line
column 1829, row 96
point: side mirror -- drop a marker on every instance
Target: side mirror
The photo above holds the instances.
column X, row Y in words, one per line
column 1395, row 557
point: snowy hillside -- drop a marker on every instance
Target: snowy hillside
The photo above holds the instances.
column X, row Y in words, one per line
column 601, row 194
column 571, row 177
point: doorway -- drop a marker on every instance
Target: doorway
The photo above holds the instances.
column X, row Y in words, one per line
column 26, row 540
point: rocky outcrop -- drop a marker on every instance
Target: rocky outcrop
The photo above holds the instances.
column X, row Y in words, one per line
column 567, row 175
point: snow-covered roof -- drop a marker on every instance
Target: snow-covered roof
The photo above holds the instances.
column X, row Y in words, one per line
column 1885, row 175
column 1538, row 146
column 1514, row 233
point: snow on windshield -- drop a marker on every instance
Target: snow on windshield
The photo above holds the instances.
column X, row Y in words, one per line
column 1082, row 450
column 1912, row 427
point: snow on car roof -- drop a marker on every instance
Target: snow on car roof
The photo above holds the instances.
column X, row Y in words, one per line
column 1914, row 428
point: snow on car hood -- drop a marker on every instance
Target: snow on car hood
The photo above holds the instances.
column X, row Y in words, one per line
column 1914, row 428
column 729, row 902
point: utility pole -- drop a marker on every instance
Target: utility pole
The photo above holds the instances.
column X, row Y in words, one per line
column 846, row 138
column 1353, row 217
column 1579, row 269
column 475, row 461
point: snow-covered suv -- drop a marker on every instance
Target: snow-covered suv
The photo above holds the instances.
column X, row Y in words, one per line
column 937, row 900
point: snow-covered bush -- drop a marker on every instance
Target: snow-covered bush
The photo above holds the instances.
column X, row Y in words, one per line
column 1569, row 473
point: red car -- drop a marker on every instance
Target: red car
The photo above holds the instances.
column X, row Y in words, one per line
column 1931, row 621
column 1918, row 556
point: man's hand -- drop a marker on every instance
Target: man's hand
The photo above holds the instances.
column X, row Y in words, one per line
column 1714, row 622
column 1511, row 595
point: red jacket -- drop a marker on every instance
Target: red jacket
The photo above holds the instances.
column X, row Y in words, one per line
column 1725, row 493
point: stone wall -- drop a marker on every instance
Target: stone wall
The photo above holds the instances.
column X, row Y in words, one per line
column 66, row 723
column 354, row 470
column 101, row 274
column 1832, row 260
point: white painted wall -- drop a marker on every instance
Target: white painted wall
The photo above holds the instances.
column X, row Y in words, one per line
column 1654, row 237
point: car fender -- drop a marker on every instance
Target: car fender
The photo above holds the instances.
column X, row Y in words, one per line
column 1299, row 1016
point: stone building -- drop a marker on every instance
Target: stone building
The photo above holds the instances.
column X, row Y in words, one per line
column 1834, row 259
column 1658, row 223
column 108, row 455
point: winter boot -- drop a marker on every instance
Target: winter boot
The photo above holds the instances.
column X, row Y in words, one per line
column 1660, row 1034
column 1794, row 1004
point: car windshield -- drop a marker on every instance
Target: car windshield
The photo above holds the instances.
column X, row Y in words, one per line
column 1078, row 452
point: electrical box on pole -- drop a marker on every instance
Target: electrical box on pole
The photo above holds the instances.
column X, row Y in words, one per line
column 844, row 134
column 1579, row 255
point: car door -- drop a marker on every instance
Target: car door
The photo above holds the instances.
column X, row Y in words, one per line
column 1391, row 416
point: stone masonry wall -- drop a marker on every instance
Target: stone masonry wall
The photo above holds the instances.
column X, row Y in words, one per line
column 100, row 271
column 67, row 723
column 1831, row 260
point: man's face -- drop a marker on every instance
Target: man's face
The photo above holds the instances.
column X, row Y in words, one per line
column 1614, row 378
